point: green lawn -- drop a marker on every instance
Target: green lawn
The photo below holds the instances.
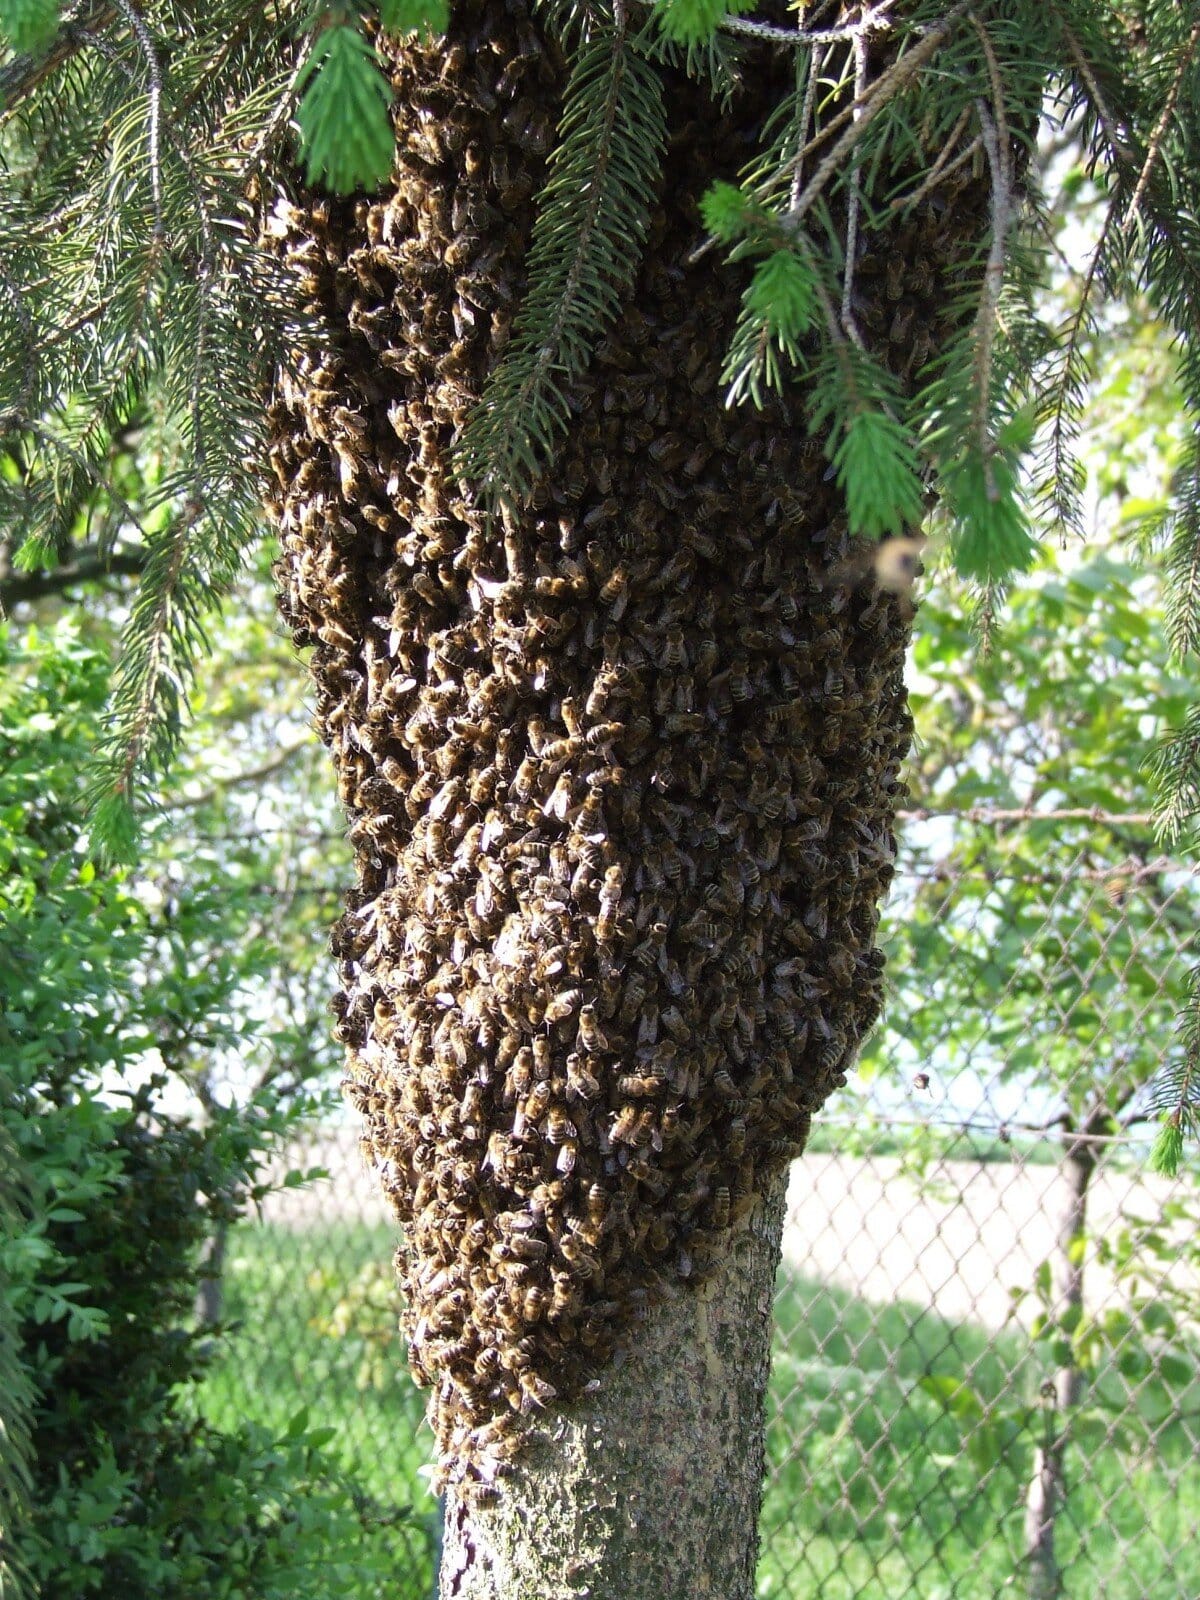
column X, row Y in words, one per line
column 872, row 1492
column 283, row 1289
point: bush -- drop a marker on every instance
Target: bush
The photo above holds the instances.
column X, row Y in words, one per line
column 129, row 1493
column 16, row 1390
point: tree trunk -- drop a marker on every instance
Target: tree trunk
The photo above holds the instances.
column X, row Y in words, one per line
column 621, row 770
column 1048, row 1486
column 210, row 1294
column 649, row 1488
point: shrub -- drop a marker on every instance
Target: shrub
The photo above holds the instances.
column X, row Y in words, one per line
column 129, row 1492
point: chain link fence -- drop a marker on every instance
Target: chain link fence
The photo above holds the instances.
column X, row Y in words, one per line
column 988, row 1311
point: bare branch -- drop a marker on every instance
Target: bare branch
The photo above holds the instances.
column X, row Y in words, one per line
column 90, row 565
column 884, row 88
column 248, row 777
column 1160, row 127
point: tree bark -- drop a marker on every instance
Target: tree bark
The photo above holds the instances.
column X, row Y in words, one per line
column 1048, row 1485
column 210, row 1293
column 649, row 1488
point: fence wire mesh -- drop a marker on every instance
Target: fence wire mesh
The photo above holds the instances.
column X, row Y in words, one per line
column 985, row 1371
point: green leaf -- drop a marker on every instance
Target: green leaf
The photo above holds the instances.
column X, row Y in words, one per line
column 956, row 1395
column 346, row 133
column 114, row 830
column 35, row 552
column 990, row 539
column 728, row 212
column 428, row 17
column 28, row 25
column 298, row 1425
column 783, row 294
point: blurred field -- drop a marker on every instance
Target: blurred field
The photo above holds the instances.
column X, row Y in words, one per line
column 871, row 1494
column 958, row 1242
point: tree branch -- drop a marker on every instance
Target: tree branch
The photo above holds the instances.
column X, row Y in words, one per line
column 235, row 780
column 89, row 566
column 22, row 76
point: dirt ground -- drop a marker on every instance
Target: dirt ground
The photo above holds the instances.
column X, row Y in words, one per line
column 958, row 1241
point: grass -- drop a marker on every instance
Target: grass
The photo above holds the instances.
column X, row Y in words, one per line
column 876, row 1490
column 289, row 1349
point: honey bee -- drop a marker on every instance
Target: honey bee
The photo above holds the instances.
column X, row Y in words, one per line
column 558, row 803
column 525, row 779
column 581, row 1259
column 610, row 900
column 590, row 817
column 534, row 1303
column 563, row 586
column 601, row 734
column 473, row 1112
column 523, row 1247
column 702, row 929
column 629, row 1127
column 674, row 650
column 537, row 1101
column 558, row 751
column 568, row 1153
column 614, row 592
column 590, row 1035
column 487, row 1363
column 580, row 1079
column 637, row 1085
column 668, row 1121
column 437, row 842
column 562, row 1005
column 520, row 1074
column 497, row 1153
column 559, row 1127
column 483, row 786
column 565, row 1298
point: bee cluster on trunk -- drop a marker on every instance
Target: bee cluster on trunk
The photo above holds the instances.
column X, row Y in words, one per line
column 620, row 767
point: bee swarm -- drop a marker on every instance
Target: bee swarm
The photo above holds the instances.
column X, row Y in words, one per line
column 620, row 770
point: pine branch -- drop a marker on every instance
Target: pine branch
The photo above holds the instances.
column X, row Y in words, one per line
column 1175, row 768
column 1154, row 145
column 25, row 74
column 1183, row 558
column 1175, row 1096
column 586, row 248
column 1065, row 393
column 862, row 113
column 17, row 1392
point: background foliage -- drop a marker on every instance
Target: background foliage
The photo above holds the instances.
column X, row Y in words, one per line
column 105, row 1020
